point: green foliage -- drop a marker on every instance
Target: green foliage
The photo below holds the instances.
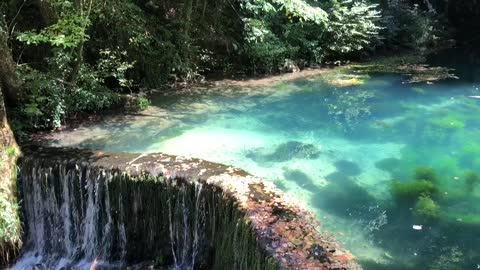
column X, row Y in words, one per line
column 139, row 103
column 425, row 173
column 409, row 192
column 268, row 54
column 67, row 32
column 47, row 101
column 112, row 65
column 9, row 221
column 83, row 52
column 354, row 26
column 306, row 32
column 472, row 180
column 407, row 25
column 426, row 210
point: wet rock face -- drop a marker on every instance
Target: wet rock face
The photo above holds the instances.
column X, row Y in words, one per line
column 318, row 253
column 130, row 209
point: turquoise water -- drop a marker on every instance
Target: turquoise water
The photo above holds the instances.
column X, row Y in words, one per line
column 338, row 150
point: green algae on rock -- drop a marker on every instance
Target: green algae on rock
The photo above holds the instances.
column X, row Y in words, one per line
column 213, row 215
column 426, row 210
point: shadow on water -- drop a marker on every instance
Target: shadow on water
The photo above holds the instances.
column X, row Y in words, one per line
column 342, row 196
column 392, row 166
column 348, row 167
column 301, row 179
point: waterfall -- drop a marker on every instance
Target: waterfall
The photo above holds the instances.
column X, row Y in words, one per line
column 76, row 214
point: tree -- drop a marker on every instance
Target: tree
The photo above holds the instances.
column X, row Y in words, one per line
column 8, row 78
column 10, row 230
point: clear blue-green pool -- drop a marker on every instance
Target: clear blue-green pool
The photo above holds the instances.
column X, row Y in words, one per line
column 350, row 153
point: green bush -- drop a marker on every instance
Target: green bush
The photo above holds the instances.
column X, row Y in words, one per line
column 47, row 100
column 139, row 103
column 407, row 25
column 307, row 33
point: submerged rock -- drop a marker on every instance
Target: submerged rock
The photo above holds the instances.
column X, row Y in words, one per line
column 287, row 151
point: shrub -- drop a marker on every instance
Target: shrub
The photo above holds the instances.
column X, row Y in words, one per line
column 140, row 104
column 48, row 100
column 410, row 26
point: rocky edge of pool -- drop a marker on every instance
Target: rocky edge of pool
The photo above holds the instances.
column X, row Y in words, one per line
column 86, row 209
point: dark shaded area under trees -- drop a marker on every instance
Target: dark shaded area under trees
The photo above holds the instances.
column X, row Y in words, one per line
column 81, row 56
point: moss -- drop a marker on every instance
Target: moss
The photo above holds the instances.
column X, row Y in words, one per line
column 469, row 219
column 146, row 211
column 449, row 122
column 476, row 163
column 409, row 192
column 425, row 173
column 10, row 225
column 472, row 180
column 348, row 80
column 408, row 64
column 469, row 151
column 447, row 165
column 426, row 210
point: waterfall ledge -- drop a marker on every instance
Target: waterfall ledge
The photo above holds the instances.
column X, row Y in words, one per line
column 123, row 210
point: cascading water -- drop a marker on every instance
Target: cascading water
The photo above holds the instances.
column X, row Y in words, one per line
column 77, row 214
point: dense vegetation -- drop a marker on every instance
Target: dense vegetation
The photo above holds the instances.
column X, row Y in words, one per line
column 77, row 56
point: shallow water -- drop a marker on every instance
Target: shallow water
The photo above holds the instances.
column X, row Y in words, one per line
column 337, row 149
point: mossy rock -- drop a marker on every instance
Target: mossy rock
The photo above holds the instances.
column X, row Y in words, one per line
column 409, row 192
column 470, row 150
column 469, row 219
column 426, row 210
column 348, row 80
column 448, row 122
column 286, row 151
column 448, row 166
column 472, row 180
column 425, row 173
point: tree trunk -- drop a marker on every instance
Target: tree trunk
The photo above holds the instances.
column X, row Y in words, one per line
column 8, row 77
column 9, row 240
column 47, row 13
column 188, row 14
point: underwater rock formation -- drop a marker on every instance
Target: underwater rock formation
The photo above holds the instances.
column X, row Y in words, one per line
column 128, row 210
column 287, row 151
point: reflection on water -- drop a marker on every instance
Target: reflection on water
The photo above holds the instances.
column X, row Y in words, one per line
column 339, row 149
